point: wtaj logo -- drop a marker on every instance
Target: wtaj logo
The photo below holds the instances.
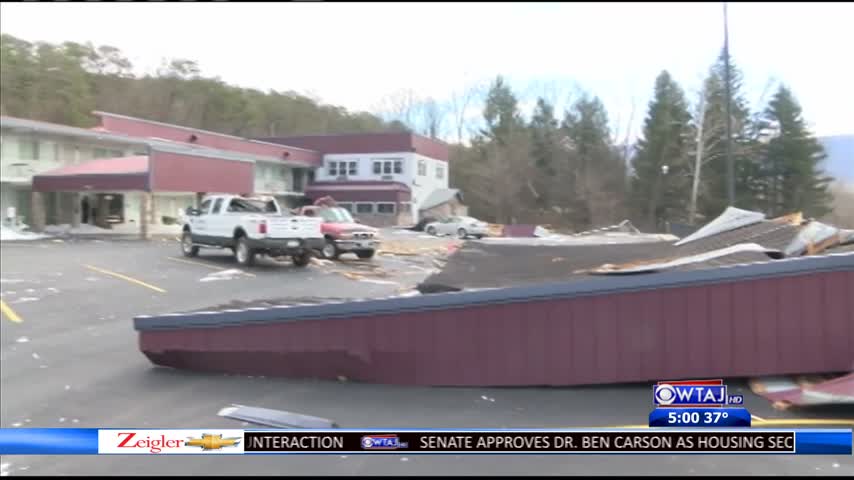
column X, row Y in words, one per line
column 382, row 442
column 693, row 393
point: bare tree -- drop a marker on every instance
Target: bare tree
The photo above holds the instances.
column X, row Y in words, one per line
column 461, row 103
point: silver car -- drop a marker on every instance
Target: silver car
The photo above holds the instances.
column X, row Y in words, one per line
column 462, row 227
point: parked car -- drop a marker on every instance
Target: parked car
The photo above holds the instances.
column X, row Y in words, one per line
column 462, row 227
column 250, row 226
column 342, row 233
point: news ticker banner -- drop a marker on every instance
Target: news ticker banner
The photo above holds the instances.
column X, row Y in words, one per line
column 59, row 441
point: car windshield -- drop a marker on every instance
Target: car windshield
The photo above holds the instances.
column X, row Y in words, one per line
column 336, row 215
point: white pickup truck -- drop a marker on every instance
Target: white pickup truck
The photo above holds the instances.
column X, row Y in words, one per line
column 250, row 226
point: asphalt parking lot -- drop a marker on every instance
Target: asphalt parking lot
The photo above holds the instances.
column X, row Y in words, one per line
column 69, row 358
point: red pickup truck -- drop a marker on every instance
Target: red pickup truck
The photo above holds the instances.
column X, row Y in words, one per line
column 342, row 233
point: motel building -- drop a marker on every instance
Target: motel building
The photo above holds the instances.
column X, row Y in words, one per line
column 136, row 175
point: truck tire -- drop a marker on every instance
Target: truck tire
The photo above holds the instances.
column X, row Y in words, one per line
column 365, row 254
column 245, row 256
column 302, row 259
column 462, row 234
column 187, row 247
column 330, row 250
column 431, row 231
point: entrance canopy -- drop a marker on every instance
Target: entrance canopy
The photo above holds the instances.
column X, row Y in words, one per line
column 120, row 173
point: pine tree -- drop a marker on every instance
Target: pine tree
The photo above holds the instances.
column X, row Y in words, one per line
column 544, row 151
column 599, row 172
column 791, row 161
column 713, row 199
column 501, row 111
column 661, row 185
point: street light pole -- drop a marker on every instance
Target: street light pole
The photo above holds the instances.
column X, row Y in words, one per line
column 730, row 168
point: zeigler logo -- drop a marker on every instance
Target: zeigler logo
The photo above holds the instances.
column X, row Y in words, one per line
column 169, row 441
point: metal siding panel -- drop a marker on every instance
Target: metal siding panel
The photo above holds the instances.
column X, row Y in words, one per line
column 606, row 338
column 766, row 313
column 651, row 335
column 699, row 336
column 184, row 173
column 813, row 320
column 630, row 312
column 839, row 320
column 557, row 336
column 789, row 331
column 583, row 341
column 677, row 347
column 744, row 352
column 720, row 306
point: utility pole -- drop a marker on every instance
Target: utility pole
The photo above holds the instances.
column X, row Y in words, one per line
column 730, row 168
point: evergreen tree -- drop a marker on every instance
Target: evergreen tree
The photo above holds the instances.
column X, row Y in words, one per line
column 791, row 161
column 501, row 111
column 660, row 185
column 544, row 150
column 598, row 171
column 713, row 199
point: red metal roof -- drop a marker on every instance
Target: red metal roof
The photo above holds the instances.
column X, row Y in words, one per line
column 140, row 127
column 103, row 166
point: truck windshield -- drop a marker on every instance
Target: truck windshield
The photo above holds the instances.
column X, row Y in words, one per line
column 336, row 215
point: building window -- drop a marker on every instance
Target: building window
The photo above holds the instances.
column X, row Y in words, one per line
column 333, row 169
column 440, row 172
column 385, row 208
column 422, row 168
column 387, row 168
column 346, row 206
column 378, row 168
column 28, row 149
column 398, row 166
column 353, row 168
column 364, row 208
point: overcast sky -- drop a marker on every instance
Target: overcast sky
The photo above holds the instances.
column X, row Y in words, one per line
column 355, row 54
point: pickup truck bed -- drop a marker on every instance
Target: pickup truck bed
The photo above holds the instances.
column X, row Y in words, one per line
column 250, row 227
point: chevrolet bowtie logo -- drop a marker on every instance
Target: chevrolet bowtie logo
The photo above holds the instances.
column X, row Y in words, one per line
column 212, row 442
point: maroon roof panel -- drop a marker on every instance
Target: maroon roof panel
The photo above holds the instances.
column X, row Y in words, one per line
column 120, row 173
column 138, row 127
column 173, row 172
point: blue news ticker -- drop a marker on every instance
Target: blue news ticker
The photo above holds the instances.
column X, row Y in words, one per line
column 699, row 417
column 84, row 441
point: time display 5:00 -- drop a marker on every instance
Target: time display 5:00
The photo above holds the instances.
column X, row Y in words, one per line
column 696, row 417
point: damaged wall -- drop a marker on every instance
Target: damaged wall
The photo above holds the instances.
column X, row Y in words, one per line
column 786, row 317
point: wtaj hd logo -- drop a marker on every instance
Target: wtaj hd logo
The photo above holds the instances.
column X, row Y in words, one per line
column 693, row 393
column 382, row 442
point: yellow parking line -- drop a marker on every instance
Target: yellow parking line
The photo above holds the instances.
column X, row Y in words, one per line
column 10, row 314
column 206, row 265
column 213, row 267
column 125, row 277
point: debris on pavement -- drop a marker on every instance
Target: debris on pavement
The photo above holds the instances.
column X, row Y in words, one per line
column 275, row 418
column 786, row 392
column 223, row 275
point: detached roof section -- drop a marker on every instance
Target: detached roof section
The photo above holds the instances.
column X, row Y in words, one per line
column 439, row 196
column 121, row 173
column 385, row 142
